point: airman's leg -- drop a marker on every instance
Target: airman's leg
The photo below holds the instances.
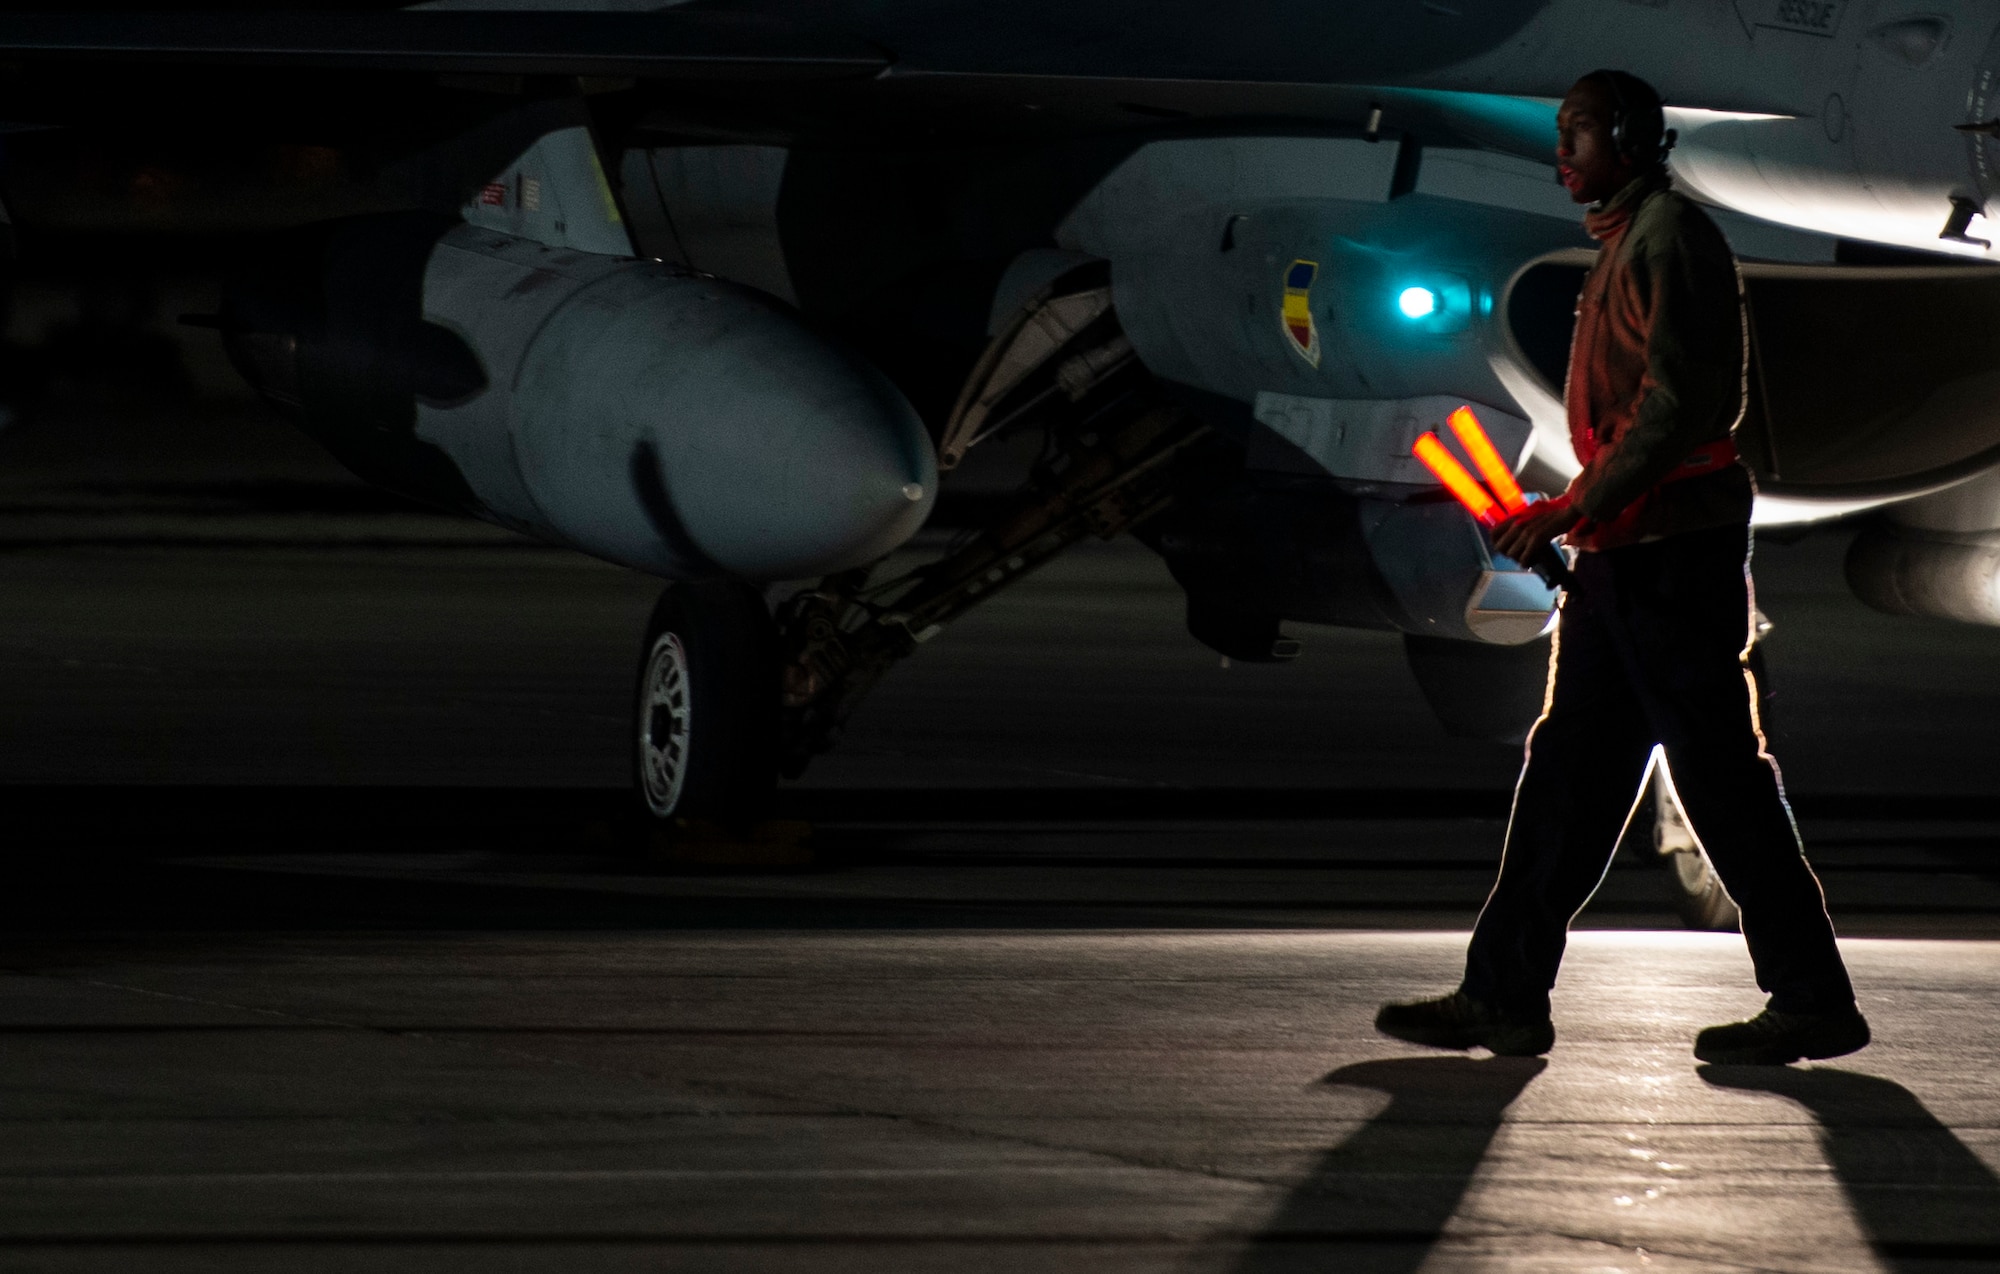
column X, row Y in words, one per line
column 1585, row 761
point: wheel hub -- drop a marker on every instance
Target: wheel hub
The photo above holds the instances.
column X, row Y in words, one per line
column 664, row 716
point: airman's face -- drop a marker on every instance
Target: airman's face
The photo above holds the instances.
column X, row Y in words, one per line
column 1589, row 165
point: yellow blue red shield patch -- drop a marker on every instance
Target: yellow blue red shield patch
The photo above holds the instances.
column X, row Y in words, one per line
column 1297, row 315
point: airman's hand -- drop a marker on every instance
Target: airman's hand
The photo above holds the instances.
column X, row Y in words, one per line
column 1528, row 532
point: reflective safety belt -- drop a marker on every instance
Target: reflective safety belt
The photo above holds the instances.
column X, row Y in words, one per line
column 1716, row 455
column 1703, row 460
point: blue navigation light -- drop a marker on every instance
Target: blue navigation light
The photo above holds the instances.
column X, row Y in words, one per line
column 1417, row 302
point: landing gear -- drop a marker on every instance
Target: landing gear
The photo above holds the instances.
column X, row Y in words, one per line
column 1697, row 891
column 1117, row 453
column 729, row 697
column 706, row 729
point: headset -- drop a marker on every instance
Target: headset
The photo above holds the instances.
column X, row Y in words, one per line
column 1617, row 83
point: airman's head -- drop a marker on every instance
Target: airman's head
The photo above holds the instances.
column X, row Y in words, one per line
column 1610, row 129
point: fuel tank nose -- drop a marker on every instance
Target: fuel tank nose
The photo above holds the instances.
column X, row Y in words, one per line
column 781, row 454
column 668, row 421
column 676, row 423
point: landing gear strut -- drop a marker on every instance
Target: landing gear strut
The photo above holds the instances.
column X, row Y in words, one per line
column 1117, row 453
column 1697, row 891
column 730, row 696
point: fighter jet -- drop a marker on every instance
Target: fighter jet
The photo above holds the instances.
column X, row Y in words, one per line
column 726, row 290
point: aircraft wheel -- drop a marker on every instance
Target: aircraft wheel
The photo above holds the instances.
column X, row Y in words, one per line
column 1697, row 891
column 707, row 723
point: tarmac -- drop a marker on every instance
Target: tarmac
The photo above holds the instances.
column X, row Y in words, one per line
column 968, row 1099
column 328, row 945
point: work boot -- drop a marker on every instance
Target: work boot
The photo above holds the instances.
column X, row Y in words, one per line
column 1774, row 1037
column 1459, row 1021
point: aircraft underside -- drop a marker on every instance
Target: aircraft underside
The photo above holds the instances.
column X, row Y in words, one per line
column 728, row 294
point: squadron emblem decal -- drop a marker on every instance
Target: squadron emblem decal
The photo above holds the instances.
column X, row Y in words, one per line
column 1298, row 314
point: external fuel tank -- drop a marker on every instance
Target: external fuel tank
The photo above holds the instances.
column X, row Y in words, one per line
column 644, row 414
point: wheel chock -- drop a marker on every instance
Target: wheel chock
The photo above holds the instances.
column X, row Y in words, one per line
column 710, row 845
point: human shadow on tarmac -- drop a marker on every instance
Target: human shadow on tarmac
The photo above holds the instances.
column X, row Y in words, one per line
column 1380, row 1199
column 1921, row 1196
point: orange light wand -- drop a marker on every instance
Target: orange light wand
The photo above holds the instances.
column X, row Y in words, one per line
column 1445, row 467
column 1486, row 458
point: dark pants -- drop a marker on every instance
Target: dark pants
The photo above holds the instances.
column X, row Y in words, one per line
column 1650, row 651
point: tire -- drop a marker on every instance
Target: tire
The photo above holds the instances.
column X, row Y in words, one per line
column 1697, row 891
column 706, row 727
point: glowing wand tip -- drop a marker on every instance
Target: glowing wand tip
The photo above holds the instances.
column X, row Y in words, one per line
column 1486, row 458
column 1444, row 466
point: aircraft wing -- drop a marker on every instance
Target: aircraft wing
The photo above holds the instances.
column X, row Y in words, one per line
column 830, row 74
column 689, row 44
